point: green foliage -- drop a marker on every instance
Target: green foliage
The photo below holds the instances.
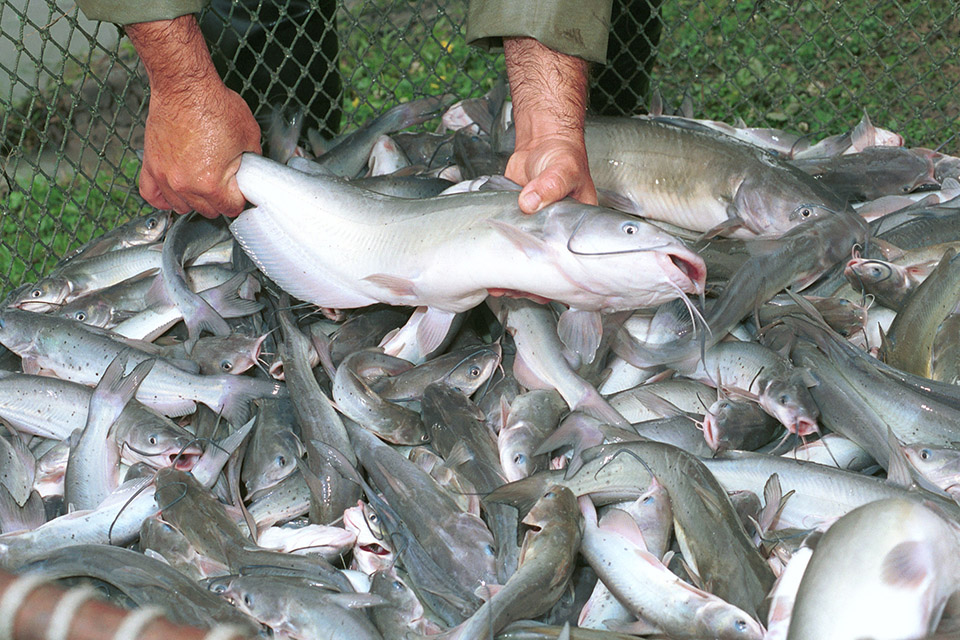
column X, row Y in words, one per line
column 815, row 67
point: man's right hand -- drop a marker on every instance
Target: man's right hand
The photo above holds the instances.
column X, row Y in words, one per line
column 197, row 129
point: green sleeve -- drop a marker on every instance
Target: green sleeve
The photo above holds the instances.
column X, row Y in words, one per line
column 574, row 27
column 128, row 12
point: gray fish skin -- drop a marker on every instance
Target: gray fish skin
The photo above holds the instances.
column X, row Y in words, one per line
column 15, row 517
column 18, row 468
column 115, row 521
column 459, row 542
column 821, row 493
column 404, row 186
column 159, row 537
column 914, row 414
column 197, row 313
column 798, row 258
column 945, row 356
column 547, row 560
column 54, row 408
column 144, row 580
column 540, row 363
column 295, row 608
column 909, row 343
column 284, row 501
column 604, row 480
column 274, row 446
column 229, row 300
column 938, row 464
column 872, row 173
column 146, row 229
column 458, row 433
column 883, row 571
column 319, row 422
column 403, row 614
column 81, row 354
column 615, row 550
column 729, row 424
column 204, row 522
column 781, row 389
column 82, row 277
column 360, row 403
column 532, row 417
column 108, row 307
column 432, row 252
column 654, row 517
column 315, row 413
column 349, row 157
column 94, row 463
column 707, row 522
column 701, row 180
column 465, row 370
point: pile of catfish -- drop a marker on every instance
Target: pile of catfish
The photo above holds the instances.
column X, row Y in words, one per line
column 776, row 459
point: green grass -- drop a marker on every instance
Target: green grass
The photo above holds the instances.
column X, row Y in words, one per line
column 815, row 66
column 386, row 63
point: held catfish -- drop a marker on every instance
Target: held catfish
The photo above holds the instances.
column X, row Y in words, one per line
column 327, row 242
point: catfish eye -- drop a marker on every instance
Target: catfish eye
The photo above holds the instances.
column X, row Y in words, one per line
column 424, row 438
column 226, row 365
column 397, row 585
column 741, row 625
column 489, row 550
column 373, row 518
column 905, row 188
column 152, row 439
column 247, row 600
column 783, row 399
column 806, row 212
column 36, row 293
column 648, row 500
column 152, row 222
column 281, row 461
column 474, row 371
column 218, row 587
column 80, row 315
column 519, row 459
column 630, row 228
column 925, row 454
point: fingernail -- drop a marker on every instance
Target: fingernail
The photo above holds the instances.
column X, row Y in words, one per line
column 530, row 201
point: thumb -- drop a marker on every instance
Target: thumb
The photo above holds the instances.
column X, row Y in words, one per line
column 545, row 189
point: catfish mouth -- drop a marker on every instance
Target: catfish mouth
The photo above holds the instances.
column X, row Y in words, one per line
column 711, row 432
column 375, row 549
column 689, row 271
column 183, row 461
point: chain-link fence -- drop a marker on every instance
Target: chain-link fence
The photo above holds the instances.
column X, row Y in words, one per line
column 72, row 94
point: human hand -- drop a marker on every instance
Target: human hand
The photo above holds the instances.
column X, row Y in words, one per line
column 552, row 168
column 192, row 149
column 549, row 105
column 197, row 129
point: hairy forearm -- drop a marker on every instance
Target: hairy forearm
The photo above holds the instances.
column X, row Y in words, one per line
column 549, row 107
column 549, row 89
column 197, row 129
column 173, row 53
